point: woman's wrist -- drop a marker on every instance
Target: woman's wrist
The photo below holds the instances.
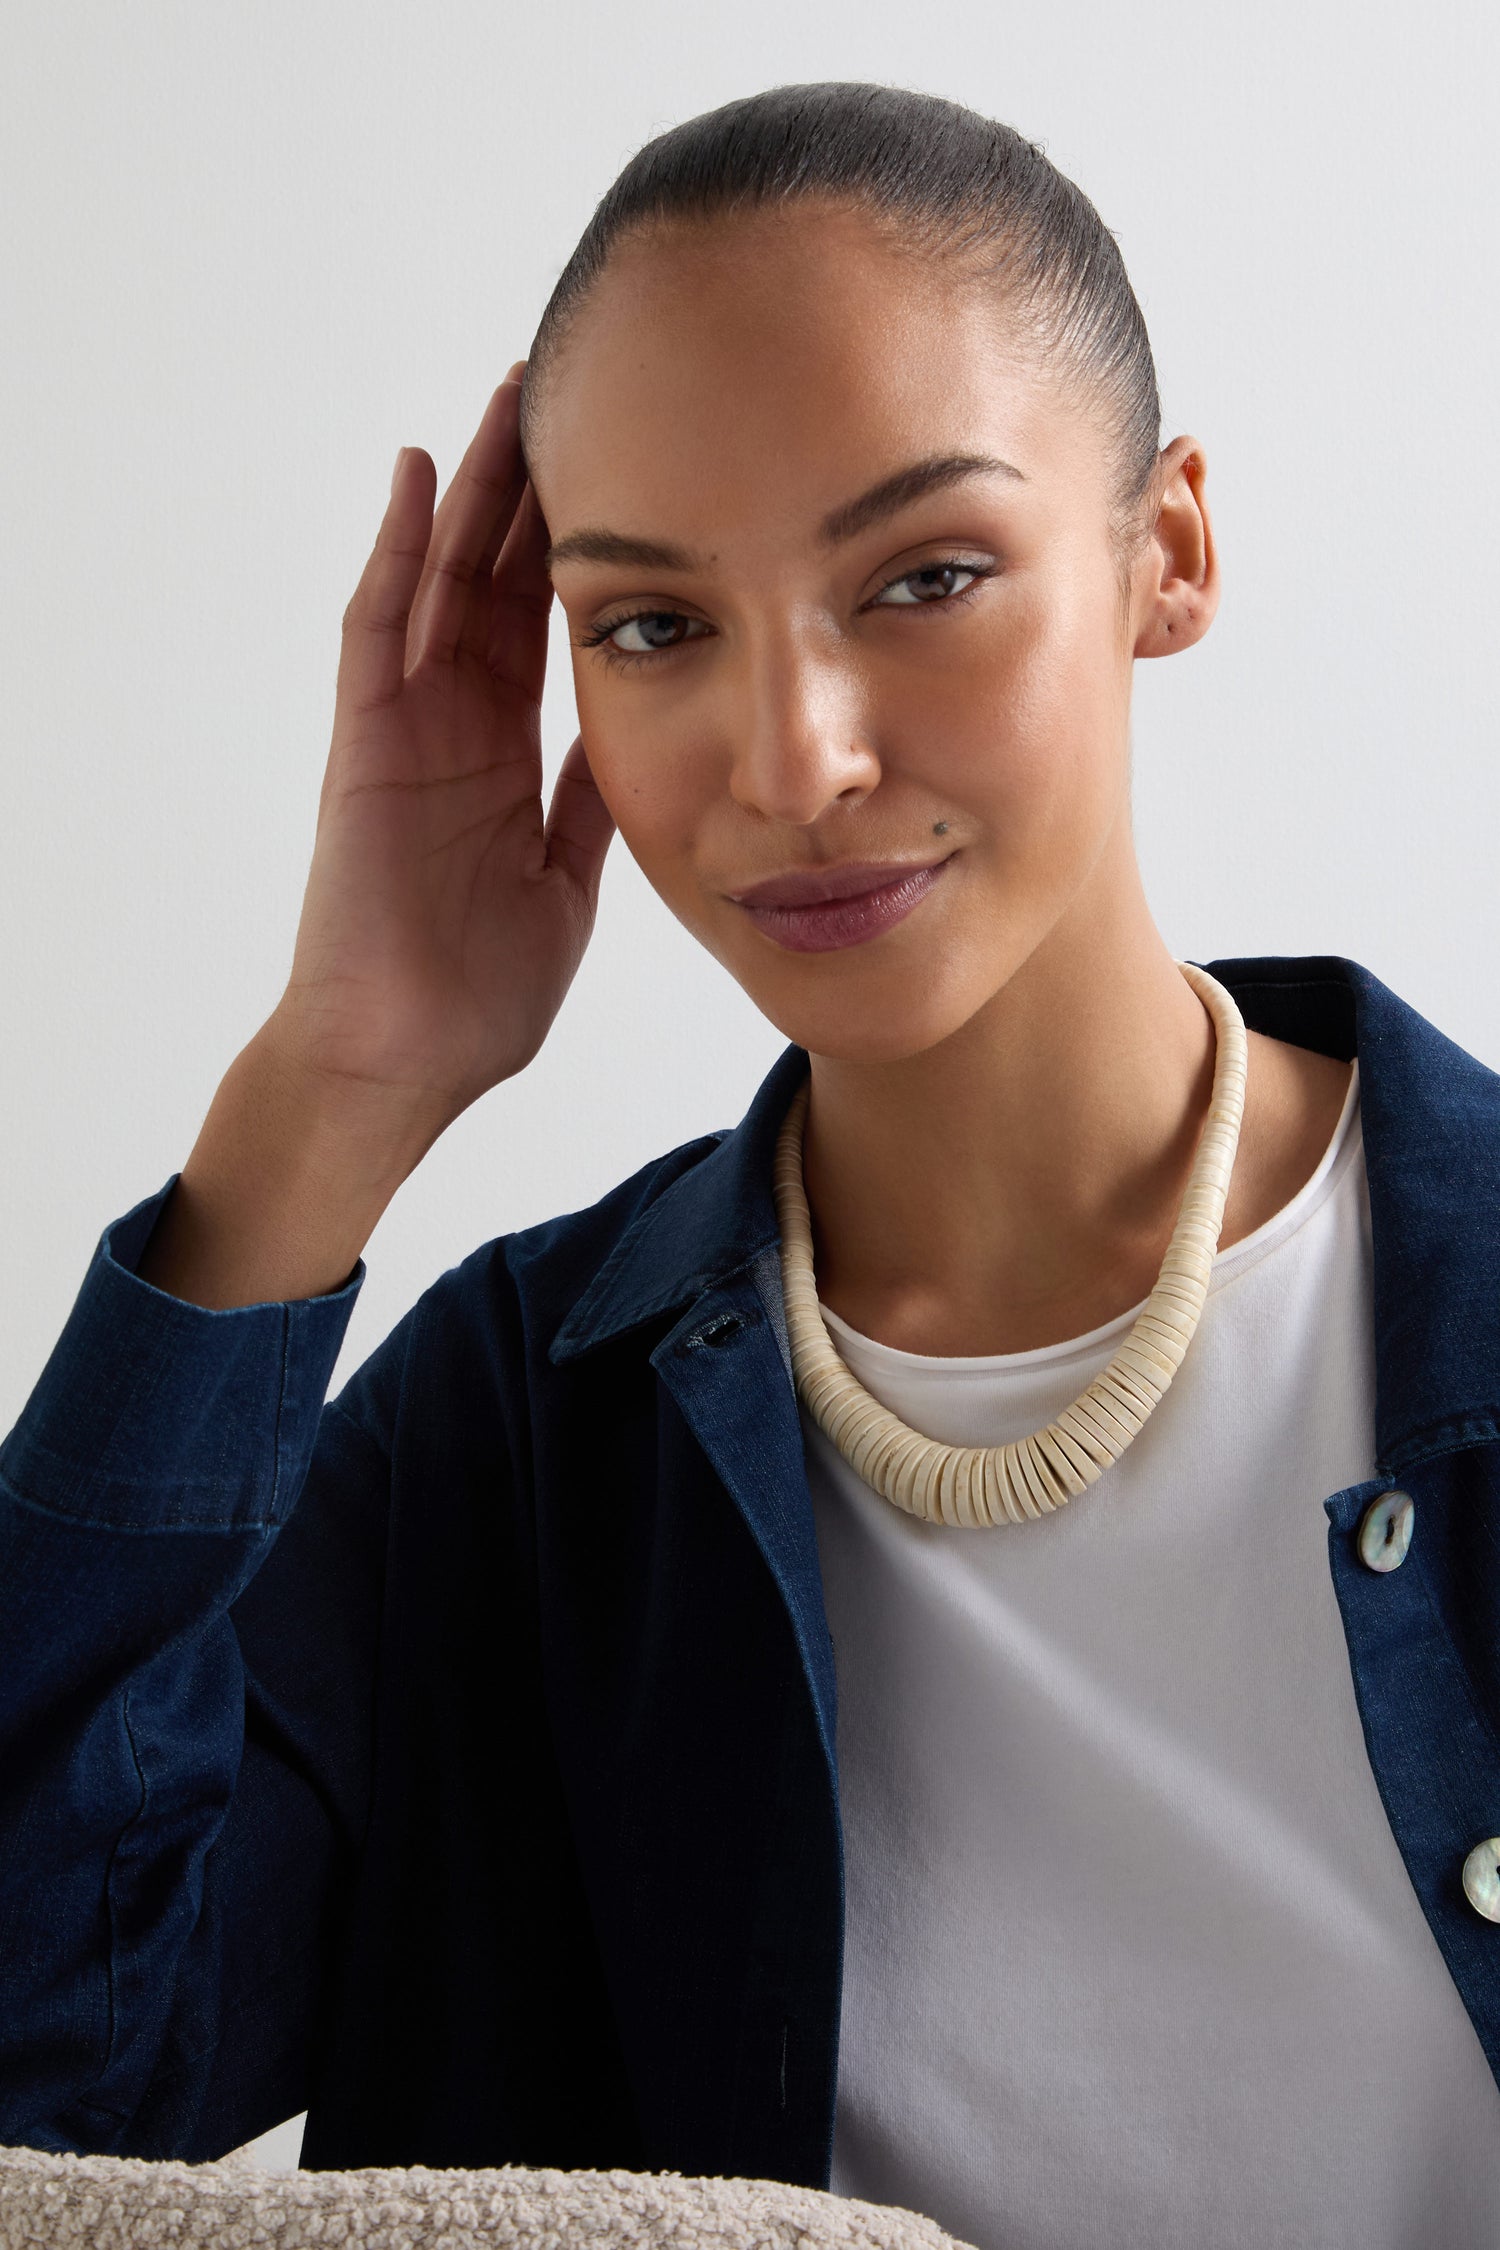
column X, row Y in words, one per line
column 286, row 1182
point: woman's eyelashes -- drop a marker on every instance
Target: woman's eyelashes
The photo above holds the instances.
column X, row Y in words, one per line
column 929, row 586
column 931, row 595
column 645, row 622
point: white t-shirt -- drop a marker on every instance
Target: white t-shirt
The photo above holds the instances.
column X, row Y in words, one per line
column 1131, row 1957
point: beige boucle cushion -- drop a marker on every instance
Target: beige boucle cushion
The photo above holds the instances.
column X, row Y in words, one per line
column 52, row 2202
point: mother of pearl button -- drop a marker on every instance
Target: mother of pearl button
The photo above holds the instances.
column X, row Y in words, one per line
column 1482, row 1878
column 1385, row 1530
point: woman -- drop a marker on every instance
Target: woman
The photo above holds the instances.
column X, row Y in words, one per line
column 466, row 1760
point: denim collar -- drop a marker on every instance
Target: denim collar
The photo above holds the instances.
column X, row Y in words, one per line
column 1431, row 1121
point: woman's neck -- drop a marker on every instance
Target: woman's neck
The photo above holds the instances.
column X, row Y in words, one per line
column 1017, row 1184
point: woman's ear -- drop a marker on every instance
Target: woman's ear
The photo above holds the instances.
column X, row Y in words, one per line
column 1181, row 583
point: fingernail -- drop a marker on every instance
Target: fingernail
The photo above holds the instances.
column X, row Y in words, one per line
column 400, row 457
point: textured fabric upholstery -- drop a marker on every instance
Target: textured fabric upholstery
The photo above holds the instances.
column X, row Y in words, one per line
column 67, row 2202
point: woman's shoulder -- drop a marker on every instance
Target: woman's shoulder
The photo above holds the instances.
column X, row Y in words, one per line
column 553, row 1259
column 479, row 1332
column 586, row 1236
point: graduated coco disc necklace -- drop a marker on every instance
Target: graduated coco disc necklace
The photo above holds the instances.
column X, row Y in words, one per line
column 978, row 1485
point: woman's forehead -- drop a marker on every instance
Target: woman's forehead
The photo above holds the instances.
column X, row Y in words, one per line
column 736, row 302
column 643, row 443
column 677, row 371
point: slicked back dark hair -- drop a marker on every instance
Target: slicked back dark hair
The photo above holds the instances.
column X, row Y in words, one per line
column 937, row 177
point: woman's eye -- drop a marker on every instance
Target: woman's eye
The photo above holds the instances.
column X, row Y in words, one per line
column 657, row 632
column 653, row 629
column 933, row 583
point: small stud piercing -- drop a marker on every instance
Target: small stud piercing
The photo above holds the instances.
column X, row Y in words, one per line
column 940, row 828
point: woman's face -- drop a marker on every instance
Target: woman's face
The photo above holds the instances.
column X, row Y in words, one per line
column 776, row 673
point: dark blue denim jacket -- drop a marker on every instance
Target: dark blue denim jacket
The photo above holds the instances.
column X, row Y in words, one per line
column 455, row 1760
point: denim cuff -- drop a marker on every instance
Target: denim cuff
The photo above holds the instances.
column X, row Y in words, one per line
column 152, row 1413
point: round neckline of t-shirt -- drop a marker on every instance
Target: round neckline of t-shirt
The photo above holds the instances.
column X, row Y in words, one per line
column 1227, row 1266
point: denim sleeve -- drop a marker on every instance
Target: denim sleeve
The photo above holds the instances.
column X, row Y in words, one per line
column 191, row 1572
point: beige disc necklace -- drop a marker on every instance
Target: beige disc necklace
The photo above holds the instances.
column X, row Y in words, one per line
column 978, row 1485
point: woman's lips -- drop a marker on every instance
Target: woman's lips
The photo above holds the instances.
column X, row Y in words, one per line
column 846, row 921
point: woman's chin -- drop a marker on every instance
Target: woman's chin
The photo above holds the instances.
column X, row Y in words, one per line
column 873, row 1027
column 881, row 1001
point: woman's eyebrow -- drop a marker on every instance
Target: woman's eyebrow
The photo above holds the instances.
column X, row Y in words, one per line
column 907, row 485
column 892, row 493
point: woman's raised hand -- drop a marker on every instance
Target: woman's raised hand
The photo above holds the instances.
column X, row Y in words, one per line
column 444, row 918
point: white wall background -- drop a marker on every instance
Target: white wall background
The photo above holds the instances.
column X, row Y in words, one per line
column 249, row 251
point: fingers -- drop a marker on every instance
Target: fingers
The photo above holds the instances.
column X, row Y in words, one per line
column 579, row 824
column 427, row 587
column 476, row 632
column 520, row 603
column 372, row 661
column 468, row 531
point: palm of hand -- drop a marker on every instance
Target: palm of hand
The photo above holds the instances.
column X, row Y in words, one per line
column 445, row 917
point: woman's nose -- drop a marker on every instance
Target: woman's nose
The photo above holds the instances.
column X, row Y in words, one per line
column 798, row 731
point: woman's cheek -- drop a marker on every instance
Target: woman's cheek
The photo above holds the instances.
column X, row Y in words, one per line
column 653, row 793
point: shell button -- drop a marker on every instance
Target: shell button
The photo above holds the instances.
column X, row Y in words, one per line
column 1482, row 1878
column 1385, row 1530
